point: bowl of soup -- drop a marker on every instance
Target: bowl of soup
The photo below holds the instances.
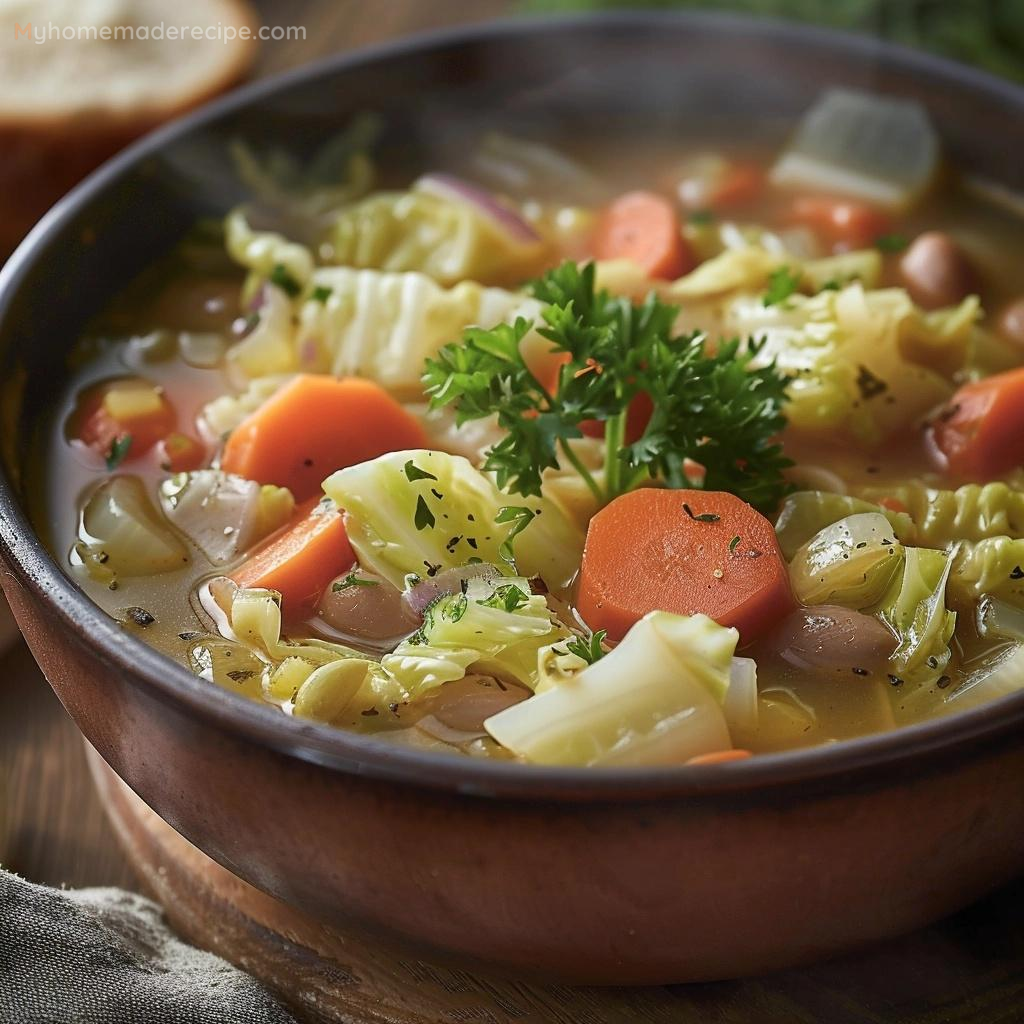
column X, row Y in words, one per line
column 572, row 521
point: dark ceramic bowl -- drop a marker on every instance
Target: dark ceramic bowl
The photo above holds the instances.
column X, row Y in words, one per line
column 648, row 875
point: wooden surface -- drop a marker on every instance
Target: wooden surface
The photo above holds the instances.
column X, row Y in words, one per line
column 967, row 970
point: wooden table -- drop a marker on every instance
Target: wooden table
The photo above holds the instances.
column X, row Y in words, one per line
column 968, row 969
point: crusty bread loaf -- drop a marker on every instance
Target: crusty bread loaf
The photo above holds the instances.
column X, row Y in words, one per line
column 80, row 78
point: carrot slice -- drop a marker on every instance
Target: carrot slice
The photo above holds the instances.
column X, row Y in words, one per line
column 315, row 425
column 644, row 227
column 180, row 453
column 845, row 222
column 676, row 551
column 300, row 561
column 981, row 431
column 720, row 757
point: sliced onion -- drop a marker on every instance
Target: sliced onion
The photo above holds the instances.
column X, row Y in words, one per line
column 447, row 186
column 875, row 148
column 448, row 582
column 365, row 610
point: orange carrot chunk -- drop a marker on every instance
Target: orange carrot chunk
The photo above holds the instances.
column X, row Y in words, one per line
column 315, row 425
column 981, row 431
column 742, row 183
column 677, row 551
column 644, row 227
column 847, row 223
column 300, row 561
column 720, row 757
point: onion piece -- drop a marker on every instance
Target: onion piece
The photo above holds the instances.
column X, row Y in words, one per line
column 364, row 610
column 455, row 713
column 425, row 592
column 824, row 636
column 447, row 186
column 875, row 148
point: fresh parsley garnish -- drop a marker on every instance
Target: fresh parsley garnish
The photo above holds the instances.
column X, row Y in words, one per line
column 721, row 408
column 831, row 285
column 456, row 607
column 280, row 277
column 424, row 518
column 119, row 449
column 520, row 517
column 352, row 580
column 589, row 650
column 321, row 293
column 782, row 283
column 507, row 597
column 414, row 473
column 700, row 217
column 704, row 517
column 892, row 243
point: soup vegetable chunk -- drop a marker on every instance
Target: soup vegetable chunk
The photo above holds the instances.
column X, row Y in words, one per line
column 596, row 459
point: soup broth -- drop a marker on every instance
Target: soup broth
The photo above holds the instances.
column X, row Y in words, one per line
column 281, row 461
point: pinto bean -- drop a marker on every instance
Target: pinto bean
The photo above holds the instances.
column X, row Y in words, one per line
column 936, row 271
column 1011, row 322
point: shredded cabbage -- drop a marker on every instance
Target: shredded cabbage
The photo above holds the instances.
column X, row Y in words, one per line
column 805, row 513
column 852, row 357
column 497, row 625
column 915, row 610
column 422, row 511
column 445, row 238
column 851, row 563
column 655, row 699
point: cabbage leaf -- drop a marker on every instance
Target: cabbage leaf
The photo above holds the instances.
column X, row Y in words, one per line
column 993, row 565
column 851, row 562
column 655, row 699
column 422, row 511
column 805, row 513
column 915, row 610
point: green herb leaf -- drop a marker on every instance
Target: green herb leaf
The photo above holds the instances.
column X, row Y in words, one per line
column 700, row 217
column 734, row 544
column 284, row 280
column 520, row 517
column 704, row 517
column 424, row 518
column 413, row 472
column 321, row 293
column 119, row 449
column 782, row 283
column 508, row 598
column 589, row 650
column 352, row 580
column 719, row 408
column 892, row 243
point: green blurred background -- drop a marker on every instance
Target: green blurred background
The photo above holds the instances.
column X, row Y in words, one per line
column 986, row 33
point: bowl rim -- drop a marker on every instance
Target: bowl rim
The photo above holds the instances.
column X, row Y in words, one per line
column 350, row 753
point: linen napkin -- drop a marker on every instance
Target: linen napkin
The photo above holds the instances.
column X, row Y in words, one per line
column 105, row 956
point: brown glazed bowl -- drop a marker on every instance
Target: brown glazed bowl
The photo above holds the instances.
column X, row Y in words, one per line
column 600, row 876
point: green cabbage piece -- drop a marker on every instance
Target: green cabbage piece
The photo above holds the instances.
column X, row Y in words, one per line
column 805, row 513
column 263, row 251
column 1001, row 675
column 970, row 513
column 851, row 562
column 863, row 265
column 864, row 364
column 994, row 565
column 446, row 238
column 422, row 511
column 915, row 610
column 496, row 625
column 655, row 699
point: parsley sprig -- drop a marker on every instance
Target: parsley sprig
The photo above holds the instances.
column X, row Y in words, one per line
column 720, row 408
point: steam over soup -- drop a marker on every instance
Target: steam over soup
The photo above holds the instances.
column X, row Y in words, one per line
column 616, row 458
